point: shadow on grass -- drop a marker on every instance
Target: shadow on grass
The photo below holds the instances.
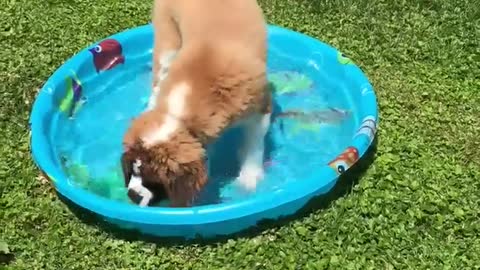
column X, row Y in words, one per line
column 343, row 186
column 6, row 258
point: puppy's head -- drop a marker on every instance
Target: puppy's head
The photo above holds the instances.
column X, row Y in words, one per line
column 139, row 176
column 173, row 169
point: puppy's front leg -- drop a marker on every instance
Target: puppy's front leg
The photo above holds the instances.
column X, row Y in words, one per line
column 252, row 162
column 166, row 43
column 164, row 62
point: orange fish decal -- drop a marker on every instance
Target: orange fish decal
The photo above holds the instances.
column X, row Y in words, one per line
column 107, row 54
column 345, row 160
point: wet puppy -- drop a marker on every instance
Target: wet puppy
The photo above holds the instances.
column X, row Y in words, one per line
column 209, row 75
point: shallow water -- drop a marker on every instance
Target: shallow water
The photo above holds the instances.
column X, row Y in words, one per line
column 89, row 144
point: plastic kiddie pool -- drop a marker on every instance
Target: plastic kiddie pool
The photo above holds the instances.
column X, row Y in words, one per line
column 83, row 110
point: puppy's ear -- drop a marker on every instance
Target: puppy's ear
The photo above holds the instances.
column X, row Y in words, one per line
column 186, row 186
column 127, row 168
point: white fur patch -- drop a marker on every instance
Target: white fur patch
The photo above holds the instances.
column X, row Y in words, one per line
column 136, row 185
column 177, row 99
column 152, row 102
column 163, row 133
column 176, row 109
column 166, row 58
column 136, row 166
column 251, row 170
column 249, row 175
column 165, row 62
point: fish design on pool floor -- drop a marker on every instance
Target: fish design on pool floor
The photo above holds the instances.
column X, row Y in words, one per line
column 107, row 55
column 343, row 59
column 345, row 160
column 289, row 82
column 73, row 100
column 312, row 121
column 330, row 115
column 368, row 128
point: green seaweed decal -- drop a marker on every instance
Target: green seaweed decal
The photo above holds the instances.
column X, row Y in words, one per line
column 109, row 186
column 308, row 127
column 289, row 82
column 79, row 174
column 343, row 59
column 72, row 101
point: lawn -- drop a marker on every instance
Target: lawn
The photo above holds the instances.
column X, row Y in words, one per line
column 417, row 206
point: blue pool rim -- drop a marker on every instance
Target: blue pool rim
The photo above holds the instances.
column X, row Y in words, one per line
column 207, row 220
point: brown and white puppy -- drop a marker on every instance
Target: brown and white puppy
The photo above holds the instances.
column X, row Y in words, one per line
column 209, row 74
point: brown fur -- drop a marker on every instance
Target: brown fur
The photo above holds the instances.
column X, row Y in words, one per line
column 222, row 57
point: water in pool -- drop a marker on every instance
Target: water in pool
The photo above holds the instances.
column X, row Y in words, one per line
column 89, row 143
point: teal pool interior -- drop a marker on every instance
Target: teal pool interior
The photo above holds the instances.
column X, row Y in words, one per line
column 88, row 145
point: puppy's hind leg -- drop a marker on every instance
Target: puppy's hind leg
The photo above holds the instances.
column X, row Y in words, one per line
column 251, row 170
column 167, row 41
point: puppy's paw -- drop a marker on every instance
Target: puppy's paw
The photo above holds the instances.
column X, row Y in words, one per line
column 249, row 176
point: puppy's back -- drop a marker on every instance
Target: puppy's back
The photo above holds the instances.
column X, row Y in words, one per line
column 225, row 85
column 222, row 61
column 224, row 22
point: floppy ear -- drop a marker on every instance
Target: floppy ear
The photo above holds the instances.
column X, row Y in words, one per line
column 127, row 168
column 183, row 190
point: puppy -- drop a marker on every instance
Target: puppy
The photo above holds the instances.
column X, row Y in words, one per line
column 209, row 66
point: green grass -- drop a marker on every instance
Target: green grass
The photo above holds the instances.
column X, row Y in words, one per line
column 416, row 207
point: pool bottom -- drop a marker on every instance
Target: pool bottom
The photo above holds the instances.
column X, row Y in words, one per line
column 89, row 143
